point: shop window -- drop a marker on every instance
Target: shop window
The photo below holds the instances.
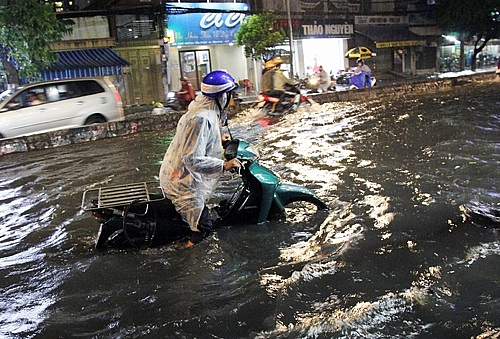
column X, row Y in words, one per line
column 195, row 65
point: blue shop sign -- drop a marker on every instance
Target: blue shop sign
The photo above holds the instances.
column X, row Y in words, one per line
column 204, row 28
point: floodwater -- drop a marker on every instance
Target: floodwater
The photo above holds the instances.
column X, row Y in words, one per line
column 408, row 249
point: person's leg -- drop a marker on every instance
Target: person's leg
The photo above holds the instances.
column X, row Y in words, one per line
column 205, row 227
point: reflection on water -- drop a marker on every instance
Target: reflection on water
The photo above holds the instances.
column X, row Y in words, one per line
column 409, row 246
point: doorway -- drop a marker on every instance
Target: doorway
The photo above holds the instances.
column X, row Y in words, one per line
column 195, row 65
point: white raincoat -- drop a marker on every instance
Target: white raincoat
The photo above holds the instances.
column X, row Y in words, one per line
column 193, row 162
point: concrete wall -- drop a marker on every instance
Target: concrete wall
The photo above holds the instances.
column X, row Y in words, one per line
column 147, row 122
column 89, row 133
column 401, row 89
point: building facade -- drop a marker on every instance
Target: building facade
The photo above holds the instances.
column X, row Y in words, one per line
column 147, row 45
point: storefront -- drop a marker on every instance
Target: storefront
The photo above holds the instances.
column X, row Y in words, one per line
column 398, row 49
column 202, row 40
column 449, row 54
column 319, row 42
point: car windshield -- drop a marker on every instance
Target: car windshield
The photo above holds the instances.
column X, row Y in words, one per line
column 5, row 94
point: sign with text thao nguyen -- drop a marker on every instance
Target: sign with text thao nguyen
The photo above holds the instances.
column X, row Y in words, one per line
column 317, row 29
column 196, row 27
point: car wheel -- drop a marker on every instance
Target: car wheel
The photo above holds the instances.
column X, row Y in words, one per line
column 95, row 119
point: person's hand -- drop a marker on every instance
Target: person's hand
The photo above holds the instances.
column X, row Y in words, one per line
column 233, row 163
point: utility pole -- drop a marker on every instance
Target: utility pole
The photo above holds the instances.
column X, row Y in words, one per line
column 290, row 33
column 165, row 49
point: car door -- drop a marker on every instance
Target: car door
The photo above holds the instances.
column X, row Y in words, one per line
column 22, row 116
column 34, row 110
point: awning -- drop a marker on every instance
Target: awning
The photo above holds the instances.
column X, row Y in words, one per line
column 86, row 63
column 391, row 36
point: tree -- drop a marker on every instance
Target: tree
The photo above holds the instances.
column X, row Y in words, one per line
column 26, row 28
column 475, row 22
column 259, row 35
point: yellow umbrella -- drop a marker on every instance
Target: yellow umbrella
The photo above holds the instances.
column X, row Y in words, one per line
column 359, row 52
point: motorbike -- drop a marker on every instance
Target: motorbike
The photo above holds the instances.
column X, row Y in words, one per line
column 343, row 78
column 274, row 105
column 139, row 215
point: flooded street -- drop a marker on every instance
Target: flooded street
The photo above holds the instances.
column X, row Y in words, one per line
column 408, row 248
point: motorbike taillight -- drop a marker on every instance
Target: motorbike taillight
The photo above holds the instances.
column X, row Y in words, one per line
column 100, row 217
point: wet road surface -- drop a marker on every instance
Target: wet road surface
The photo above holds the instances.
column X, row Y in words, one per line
column 409, row 247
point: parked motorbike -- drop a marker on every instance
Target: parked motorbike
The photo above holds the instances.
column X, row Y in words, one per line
column 273, row 105
column 139, row 215
column 343, row 78
column 173, row 102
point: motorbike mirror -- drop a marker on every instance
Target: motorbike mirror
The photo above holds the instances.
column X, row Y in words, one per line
column 231, row 148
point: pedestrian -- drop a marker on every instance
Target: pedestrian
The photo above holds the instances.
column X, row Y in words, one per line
column 324, row 79
column 186, row 94
column 193, row 163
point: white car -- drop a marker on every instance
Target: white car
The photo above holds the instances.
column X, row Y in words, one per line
column 53, row 105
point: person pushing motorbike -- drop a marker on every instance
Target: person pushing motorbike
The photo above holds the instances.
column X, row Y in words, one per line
column 194, row 163
column 361, row 67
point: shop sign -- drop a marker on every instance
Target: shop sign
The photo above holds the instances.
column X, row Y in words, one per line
column 206, row 28
column 316, row 29
column 380, row 20
column 390, row 44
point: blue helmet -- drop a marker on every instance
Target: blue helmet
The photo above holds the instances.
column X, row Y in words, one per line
column 216, row 83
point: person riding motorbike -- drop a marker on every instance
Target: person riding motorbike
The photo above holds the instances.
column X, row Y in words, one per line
column 269, row 65
column 193, row 163
column 267, row 79
column 280, row 82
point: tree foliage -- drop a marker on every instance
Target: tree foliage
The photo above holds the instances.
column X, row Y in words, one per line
column 475, row 22
column 26, row 28
column 259, row 35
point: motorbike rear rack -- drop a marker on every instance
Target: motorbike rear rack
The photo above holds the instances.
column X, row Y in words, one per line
column 122, row 195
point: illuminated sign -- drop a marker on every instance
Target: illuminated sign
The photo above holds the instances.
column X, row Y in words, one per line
column 309, row 29
column 390, row 44
column 380, row 20
column 206, row 28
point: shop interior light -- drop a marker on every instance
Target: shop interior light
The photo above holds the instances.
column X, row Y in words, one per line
column 450, row 38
